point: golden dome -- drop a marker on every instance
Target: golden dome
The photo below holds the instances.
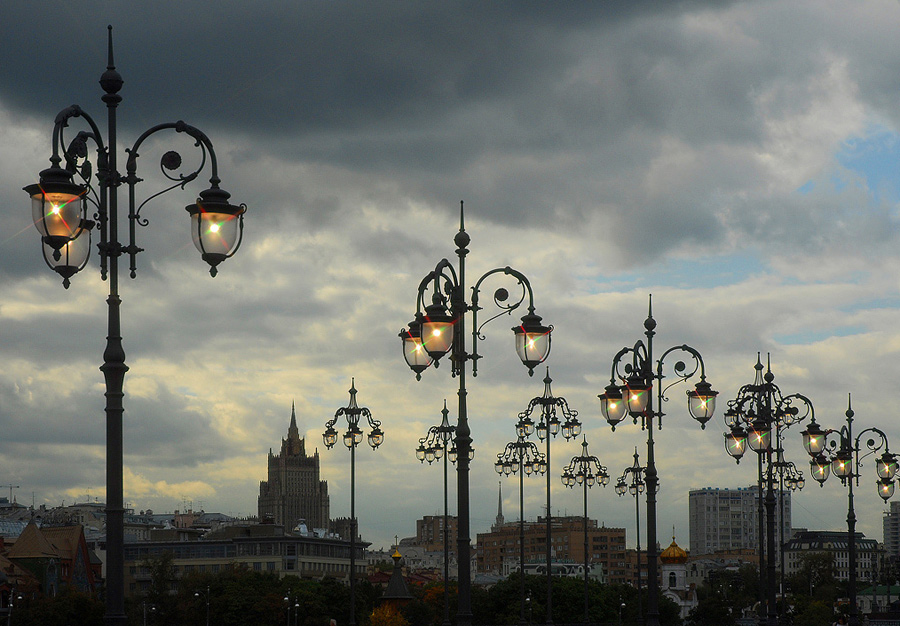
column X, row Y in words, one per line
column 673, row 554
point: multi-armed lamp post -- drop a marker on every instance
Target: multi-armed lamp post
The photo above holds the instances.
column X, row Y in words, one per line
column 843, row 458
column 60, row 212
column 585, row 470
column 634, row 396
column 548, row 425
column 433, row 447
column 521, row 457
column 759, row 412
column 635, row 487
column 438, row 329
column 352, row 438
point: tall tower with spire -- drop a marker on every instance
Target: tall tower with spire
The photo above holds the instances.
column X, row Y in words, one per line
column 294, row 492
column 498, row 523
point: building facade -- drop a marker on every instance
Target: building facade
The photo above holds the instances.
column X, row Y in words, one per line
column 498, row 550
column 891, row 525
column 430, row 533
column 294, row 492
column 868, row 553
column 723, row 520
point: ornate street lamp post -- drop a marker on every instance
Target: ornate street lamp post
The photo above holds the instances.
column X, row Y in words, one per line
column 205, row 596
column 634, row 396
column 585, row 470
column 521, row 457
column 843, row 459
column 758, row 412
column 352, row 437
column 548, row 425
column 635, row 487
column 433, row 447
column 60, row 211
column 439, row 329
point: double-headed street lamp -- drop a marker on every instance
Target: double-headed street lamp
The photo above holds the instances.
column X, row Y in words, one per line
column 633, row 396
column 59, row 207
column 635, row 486
column 547, row 426
column 759, row 412
column 352, row 438
column 843, row 459
column 585, row 470
column 521, row 457
column 439, row 329
column 433, row 447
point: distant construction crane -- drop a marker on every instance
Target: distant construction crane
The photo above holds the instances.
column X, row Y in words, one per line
column 11, row 487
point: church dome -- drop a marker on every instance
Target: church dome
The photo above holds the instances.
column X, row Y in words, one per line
column 673, row 554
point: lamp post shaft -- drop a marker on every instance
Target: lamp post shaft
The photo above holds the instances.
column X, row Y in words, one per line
column 352, row 621
column 772, row 613
column 549, row 619
column 587, row 556
column 637, row 521
column 113, row 369
column 446, row 541
column 851, row 538
column 521, row 538
column 652, row 575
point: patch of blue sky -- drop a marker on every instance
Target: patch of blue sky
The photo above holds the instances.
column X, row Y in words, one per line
column 875, row 156
column 682, row 273
column 810, row 336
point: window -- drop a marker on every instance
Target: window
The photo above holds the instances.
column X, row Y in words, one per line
column 671, row 580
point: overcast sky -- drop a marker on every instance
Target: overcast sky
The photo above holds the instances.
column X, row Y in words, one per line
column 738, row 160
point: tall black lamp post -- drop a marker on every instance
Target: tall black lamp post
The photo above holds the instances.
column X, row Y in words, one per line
column 60, row 211
column 439, row 329
column 433, row 447
column 633, row 395
column 585, row 470
column 843, row 458
column 759, row 412
column 635, row 486
column 548, row 425
column 521, row 457
column 352, row 437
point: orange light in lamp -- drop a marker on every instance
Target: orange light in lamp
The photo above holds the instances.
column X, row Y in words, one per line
column 813, row 439
column 612, row 405
column 57, row 206
column 759, row 437
column 72, row 257
column 532, row 341
column 819, row 469
column 702, row 402
column 885, row 488
column 414, row 351
column 437, row 329
column 886, row 466
column 736, row 442
column 217, row 227
column 842, row 465
column 636, row 393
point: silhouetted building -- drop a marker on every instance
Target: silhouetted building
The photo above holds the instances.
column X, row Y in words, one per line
column 293, row 491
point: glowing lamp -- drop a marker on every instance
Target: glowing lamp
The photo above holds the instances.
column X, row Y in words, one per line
column 72, row 256
column 437, row 329
column 567, row 479
column 217, row 227
column 420, row 452
column 57, row 206
column 886, row 466
column 590, row 479
column 532, row 341
column 376, row 437
column 612, row 405
column 842, row 465
column 438, row 452
column 604, row 478
column 813, row 439
column 452, row 454
column 330, row 437
column 621, row 488
column 414, row 351
column 573, row 427
column 508, row 468
column 759, row 437
column 819, row 469
column 525, row 427
column 528, row 468
column 702, row 402
column 637, row 394
column 541, row 465
column 885, row 488
column 800, row 482
column 736, row 442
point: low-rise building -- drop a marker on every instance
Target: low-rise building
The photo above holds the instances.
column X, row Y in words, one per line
column 868, row 552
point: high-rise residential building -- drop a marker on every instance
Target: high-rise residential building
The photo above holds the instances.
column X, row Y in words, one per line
column 891, row 525
column 727, row 519
column 294, row 492
column 430, row 533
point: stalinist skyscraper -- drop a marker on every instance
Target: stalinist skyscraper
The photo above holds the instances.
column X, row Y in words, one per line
column 293, row 491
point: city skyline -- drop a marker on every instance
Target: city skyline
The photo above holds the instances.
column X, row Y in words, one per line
column 737, row 160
